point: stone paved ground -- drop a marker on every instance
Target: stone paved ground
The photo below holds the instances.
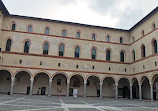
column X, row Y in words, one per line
column 54, row 103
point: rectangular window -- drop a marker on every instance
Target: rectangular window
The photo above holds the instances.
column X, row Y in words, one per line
column 58, row 81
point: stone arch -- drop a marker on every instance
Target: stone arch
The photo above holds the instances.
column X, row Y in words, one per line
column 77, row 83
column 59, row 81
column 41, row 82
column 154, row 82
column 93, row 85
column 145, row 85
column 143, row 77
column 22, row 81
column 63, row 73
column 84, row 78
column 108, row 86
column 95, row 75
column 8, row 70
column 41, row 72
column 109, row 77
column 124, row 86
column 135, row 88
column 151, row 78
column 132, row 79
column 23, row 70
column 5, row 80
column 124, row 78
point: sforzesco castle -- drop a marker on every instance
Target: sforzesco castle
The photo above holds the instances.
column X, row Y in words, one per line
column 47, row 57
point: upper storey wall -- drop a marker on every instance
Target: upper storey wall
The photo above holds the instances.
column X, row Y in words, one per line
column 85, row 42
column 139, row 39
column 56, row 29
column 146, row 26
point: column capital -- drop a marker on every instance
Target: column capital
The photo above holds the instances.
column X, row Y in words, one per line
column 101, row 83
column 68, row 81
column 116, row 84
column 13, row 78
column 50, row 80
column 151, row 83
column 85, row 81
column 139, row 84
column 32, row 79
column 131, row 84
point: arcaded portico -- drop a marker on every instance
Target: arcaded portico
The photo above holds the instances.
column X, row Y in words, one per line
column 50, row 57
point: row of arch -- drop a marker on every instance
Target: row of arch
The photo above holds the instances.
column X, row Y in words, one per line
column 122, row 86
column 140, row 79
column 62, row 49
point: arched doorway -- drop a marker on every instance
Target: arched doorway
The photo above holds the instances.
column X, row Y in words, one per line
column 41, row 84
column 59, row 81
column 155, row 86
column 5, row 81
column 22, row 83
column 145, row 88
column 123, row 88
column 109, row 87
column 76, row 85
column 135, row 88
column 93, row 86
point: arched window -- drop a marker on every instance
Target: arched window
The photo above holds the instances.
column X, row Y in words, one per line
column 93, row 53
column 107, row 38
column 108, row 54
column 143, row 33
column 154, row 46
column 77, row 52
column 30, row 29
column 134, row 56
column 154, row 26
column 47, row 31
column 26, row 47
column 45, row 49
column 61, row 50
column 8, row 45
column 122, row 56
column 93, row 36
column 133, row 39
column 121, row 40
column 78, row 35
column 64, row 33
column 13, row 26
column 143, row 51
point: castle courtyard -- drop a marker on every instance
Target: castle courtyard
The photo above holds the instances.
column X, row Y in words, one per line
column 54, row 103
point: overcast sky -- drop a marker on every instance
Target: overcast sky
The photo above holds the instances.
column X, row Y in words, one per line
column 110, row 13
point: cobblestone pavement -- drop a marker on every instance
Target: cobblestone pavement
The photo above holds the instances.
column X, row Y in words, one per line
column 54, row 103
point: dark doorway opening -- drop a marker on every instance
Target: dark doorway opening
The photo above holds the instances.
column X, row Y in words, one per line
column 126, row 92
column 43, row 90
column 98, row 93
column 134, row 92
column 71, row 92
column 28, row 89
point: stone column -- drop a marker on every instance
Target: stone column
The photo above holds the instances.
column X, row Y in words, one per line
column 31, row 85
column 84, row 88
column 140, row 91
column 101, row 84
column 50, row 87
column 131, row 95
column 116, row 90
column 12, row 85
column 151, row 91
column 68, row 85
